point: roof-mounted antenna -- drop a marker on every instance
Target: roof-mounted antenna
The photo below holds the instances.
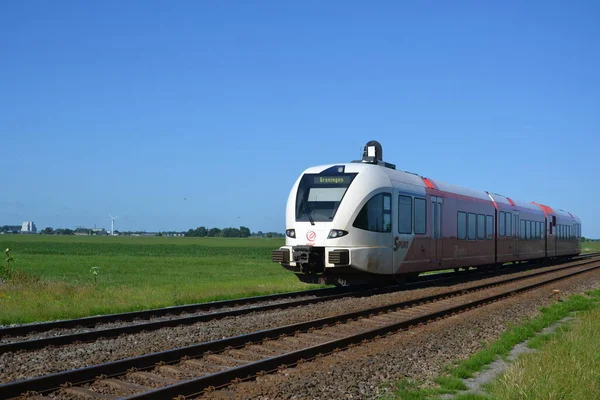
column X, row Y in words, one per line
column 373, row 154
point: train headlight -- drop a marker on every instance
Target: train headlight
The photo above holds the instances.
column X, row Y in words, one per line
column 336, row 233
column 290, row 233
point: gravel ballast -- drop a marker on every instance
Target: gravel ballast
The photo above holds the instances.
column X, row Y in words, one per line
column 21, row 365
column 420, row 353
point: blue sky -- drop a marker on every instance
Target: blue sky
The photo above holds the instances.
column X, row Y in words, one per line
column 132, row 107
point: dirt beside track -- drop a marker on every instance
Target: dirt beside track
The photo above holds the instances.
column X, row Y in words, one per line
column 420, row 354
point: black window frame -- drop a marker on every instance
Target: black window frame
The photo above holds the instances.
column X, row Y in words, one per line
column 469, row 226
column 482, row 236
column 383, row 213
column 411, row 213
column 458, row 236
column 489, row 227
column 420, row 199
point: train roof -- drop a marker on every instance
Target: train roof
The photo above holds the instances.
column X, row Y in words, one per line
column 412, row 178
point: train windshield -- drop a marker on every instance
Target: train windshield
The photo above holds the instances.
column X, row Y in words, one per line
column 319, row 196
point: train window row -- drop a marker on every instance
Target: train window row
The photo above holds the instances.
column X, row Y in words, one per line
column 473, row 226
column 532, row 229
column 568, row 232
column 409, row 208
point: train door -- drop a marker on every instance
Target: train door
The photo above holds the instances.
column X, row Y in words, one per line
column 516, row 226
column 436, row 231
column 551, row 241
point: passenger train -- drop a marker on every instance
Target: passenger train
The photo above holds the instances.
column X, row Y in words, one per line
column 366, row 221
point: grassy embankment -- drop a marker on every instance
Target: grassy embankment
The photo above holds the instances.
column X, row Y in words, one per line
column 566, row 367
column 54, row 279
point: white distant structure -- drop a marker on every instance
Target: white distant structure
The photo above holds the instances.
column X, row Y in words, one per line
column 112, row 225
column 28, row 227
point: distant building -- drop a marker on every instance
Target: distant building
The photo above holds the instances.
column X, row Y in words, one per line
column 28, row 227
column 99, row 231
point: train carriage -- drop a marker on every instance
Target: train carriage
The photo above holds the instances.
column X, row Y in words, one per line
column 366, row 221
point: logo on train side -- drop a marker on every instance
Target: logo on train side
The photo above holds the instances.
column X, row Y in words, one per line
column 311, row 236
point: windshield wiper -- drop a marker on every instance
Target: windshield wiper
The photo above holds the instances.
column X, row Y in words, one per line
column 304, row 206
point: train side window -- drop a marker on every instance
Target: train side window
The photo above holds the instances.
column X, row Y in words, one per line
column 375, row 216
column 559, row 230
column 420, row 216
column 472, row 226
column 543, row 229
column 508, row 224
column 562, row 232
column 480, row 226
column 539, row 230
column 501, row 223
column 522, row 229
column 527, row 230
column 489, row 225
column 461, row 223
column 404, row 214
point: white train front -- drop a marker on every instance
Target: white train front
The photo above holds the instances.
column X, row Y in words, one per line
column 365, row 221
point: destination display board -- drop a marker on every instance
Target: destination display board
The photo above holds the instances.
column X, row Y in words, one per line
column 333, row 179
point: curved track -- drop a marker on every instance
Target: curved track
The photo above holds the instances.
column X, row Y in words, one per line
column 191, row 370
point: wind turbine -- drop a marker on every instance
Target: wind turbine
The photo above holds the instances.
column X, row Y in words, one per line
column 112, row 225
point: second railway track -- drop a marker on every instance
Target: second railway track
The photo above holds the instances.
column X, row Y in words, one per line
column 11, row 342
column 191, row 370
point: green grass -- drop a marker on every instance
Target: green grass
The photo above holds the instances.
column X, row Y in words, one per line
column 54, row 279
column 407, row 389
column 519, row 333
column 566, row 367
column 590, row 247
column 451, row 380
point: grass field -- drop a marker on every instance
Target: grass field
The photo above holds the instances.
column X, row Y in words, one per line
column 567, row 366
column 54, row 279
column 589, row 247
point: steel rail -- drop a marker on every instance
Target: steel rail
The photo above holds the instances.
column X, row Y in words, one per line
column 80, row 376
column 196, row 386
column 87, row 322
column 82, row 337
column 158, row 312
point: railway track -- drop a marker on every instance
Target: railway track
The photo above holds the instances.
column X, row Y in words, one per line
column 82, row 330
column 189, row 371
